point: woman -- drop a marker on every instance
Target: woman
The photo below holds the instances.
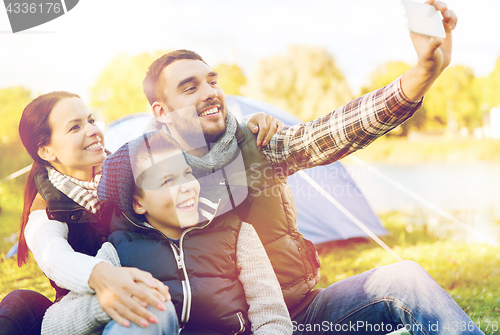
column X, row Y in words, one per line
column 67, row 148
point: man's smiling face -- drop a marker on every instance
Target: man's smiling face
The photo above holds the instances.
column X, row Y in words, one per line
column 191, row 86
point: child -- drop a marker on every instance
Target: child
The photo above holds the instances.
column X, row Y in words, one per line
column 216, row 269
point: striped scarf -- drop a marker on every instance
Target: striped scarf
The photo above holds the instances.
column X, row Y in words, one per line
column 83, row 193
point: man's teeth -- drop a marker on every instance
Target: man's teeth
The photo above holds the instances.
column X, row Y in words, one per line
column 210, row 111
column 186, row 204
column 94, row 146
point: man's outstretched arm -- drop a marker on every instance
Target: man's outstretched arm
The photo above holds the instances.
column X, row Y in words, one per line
column 360, row 122
column 341, row 132
column 434, row 55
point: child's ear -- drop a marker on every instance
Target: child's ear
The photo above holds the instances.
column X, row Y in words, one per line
column 137, row 205
column 46, row 154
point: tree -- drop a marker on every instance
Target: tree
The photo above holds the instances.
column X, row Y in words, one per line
column 305, row 82
column 487, row 88
column 14, row 156
column 231, row 78
column 453, row 101
column 12, row 103
column 118, row 91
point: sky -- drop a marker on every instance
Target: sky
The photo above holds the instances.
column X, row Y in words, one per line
column 70, row 52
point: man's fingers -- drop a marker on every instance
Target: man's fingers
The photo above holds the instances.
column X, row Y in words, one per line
column 449, row 16
column 452, row 22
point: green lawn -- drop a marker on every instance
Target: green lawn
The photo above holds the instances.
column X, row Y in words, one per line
column 470, row 273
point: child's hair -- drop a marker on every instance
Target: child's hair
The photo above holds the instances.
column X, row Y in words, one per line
column 35, row 131
column 142, row 157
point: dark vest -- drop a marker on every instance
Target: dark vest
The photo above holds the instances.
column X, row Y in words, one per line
column 270, row 208
column 217, row 297
column 86, row 233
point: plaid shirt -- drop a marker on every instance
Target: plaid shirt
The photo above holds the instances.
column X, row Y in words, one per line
column 341, row 132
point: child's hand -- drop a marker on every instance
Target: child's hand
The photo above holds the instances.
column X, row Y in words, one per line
column 266, row 126
column 124, row 293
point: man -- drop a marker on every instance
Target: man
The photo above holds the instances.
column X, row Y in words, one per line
column 188, row 103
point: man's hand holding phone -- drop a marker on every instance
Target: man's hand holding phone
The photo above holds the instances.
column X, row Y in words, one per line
column 434, row 55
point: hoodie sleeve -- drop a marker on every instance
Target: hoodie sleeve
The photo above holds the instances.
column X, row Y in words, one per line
column 267, row 310
column 48, row 241
column 79, row 314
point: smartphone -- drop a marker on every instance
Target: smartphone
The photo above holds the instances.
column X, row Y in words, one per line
column 423, row 19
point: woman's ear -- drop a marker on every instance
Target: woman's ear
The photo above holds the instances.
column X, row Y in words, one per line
column 137, row 205
column 46, row 154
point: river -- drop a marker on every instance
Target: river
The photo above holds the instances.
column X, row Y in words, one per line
column 469, row 192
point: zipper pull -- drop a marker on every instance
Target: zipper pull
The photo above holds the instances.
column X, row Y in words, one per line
column 180, row 267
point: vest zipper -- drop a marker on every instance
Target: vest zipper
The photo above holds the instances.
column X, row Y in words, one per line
column 186, row 287
column 242, row 323
column 179, row 257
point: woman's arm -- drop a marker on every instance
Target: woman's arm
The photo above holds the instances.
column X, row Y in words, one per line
column 79, row 314
column 48, row 241
column 82, row 273
column 267, row 310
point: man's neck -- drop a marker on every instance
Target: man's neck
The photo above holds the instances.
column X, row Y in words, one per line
column 198, row 152
column 190, row 149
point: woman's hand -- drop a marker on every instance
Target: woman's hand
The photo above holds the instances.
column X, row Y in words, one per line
column 266, row 126
column 124, row 293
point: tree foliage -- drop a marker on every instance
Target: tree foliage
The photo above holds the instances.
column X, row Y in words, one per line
column 14, row 156
column 118, row 91
column 451, row 103
column 487, row 88
column 305, row 82
column 452, row 100
column 12, row 103
column 231, row 78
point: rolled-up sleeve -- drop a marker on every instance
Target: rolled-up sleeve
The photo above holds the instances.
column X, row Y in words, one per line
column 341, row 132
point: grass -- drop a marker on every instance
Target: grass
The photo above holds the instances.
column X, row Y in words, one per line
column 470, row 273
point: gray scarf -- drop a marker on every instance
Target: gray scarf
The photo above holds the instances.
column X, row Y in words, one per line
column 220, row 154
column 82, row 192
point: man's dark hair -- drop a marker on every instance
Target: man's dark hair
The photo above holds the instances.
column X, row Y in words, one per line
column 152, row 85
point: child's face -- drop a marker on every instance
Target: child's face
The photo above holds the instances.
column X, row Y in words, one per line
column 170, row 194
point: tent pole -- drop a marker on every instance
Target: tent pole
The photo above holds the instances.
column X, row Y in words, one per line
column 16, row 174
column 427, row 203
column 362, row 226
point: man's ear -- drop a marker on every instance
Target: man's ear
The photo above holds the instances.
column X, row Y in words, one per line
column 160, row 113
column 46, row 154
column 137, row 205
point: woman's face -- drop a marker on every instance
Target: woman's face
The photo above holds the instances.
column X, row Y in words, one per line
column 76, row 144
